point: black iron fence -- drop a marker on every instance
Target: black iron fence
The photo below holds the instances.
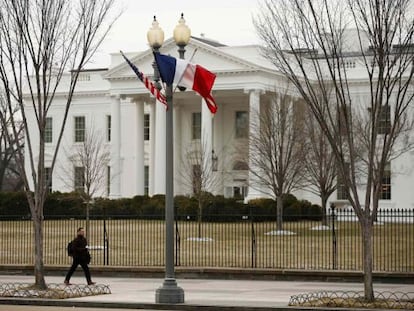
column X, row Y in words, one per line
column 242, row 241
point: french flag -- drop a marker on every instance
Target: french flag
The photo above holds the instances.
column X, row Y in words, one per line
column 183, row 73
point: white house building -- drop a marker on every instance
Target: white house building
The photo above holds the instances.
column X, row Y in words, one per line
column 114, row 102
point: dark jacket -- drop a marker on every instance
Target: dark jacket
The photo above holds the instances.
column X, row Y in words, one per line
column 80, row 251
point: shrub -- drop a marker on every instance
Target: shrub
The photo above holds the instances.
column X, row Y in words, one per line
column 155, row 206
column 215, row 208
column 288, row 200
column 185, row 206
column 14, row 203
column 69, row 204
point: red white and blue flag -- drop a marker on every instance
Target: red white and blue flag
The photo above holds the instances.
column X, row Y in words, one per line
column 183, row 73
column 147, row 82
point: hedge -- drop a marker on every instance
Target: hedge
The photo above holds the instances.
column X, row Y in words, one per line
column 228, row 209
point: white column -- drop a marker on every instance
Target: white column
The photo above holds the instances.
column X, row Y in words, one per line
column 254, row 123
column 206, row 126
column 207, row 138
column 140, row 148
column 152, row 149
column 115, row 189
column 160, row 152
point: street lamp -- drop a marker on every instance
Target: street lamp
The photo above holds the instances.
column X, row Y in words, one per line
column 181, row 36
column 169, row 292
column 155, row 37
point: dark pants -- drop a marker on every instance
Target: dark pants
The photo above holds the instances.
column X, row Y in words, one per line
column 84, row 265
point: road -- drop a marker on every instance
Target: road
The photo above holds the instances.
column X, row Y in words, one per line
column 43, row 308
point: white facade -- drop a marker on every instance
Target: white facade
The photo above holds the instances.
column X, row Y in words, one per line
column 244, row 80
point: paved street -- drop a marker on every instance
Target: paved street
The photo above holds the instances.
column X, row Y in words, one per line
column 44, row 308
column 139, row 293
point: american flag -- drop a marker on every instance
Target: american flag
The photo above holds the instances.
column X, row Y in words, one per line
column 147, row 82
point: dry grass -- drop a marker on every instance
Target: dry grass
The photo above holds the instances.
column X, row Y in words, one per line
column 141, row 243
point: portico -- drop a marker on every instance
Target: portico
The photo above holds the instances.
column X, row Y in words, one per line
column 238, row 89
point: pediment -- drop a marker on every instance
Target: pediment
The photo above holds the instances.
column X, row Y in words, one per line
column 214, row 58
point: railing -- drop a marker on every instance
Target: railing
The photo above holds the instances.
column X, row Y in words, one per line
column 243, row 241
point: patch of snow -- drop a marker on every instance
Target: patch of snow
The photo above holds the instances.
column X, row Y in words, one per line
column 280, row 232
column 320, row 228
column 200, row 239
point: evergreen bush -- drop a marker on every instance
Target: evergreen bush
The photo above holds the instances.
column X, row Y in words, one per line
column 215, row 208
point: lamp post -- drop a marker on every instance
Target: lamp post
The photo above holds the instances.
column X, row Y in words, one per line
column 169, row 292
column 155, row 37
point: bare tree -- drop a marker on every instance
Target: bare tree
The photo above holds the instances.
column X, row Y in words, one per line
column 9, row 175
column 320, row 163
column 317, row 45
column 89, row 163
column 277, row 149
column 39, row 41
column 199, row 173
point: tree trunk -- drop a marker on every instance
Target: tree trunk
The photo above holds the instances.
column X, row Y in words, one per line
column 367, row 229
column 2, row 173
column 38, row 236
column 200, row 209
column 279, row 213
column 324, row 218
column 87, row 220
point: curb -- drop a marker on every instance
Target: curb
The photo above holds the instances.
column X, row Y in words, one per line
column 156, row 306
column 221, row 273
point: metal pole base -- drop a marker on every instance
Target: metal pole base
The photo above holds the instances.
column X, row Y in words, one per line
column 169, row 292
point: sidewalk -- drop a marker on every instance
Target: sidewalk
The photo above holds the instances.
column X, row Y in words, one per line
column 139, row 293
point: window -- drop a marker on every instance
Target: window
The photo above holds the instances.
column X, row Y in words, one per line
column 79, row 178
column 344, row 113
column 341, row 190
column 374, row 62
column 108, row 180
column 240, row 166
column 197, row 178
column 48, row 130
column 384, row 121
column 146, row 126
column 196, row 125
column 385, row 191
column 108, row 128
column 300, row 113
column 239, row 192
column 242, row 124
column 48, row 179
column 79, row 129
column 146, row 180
